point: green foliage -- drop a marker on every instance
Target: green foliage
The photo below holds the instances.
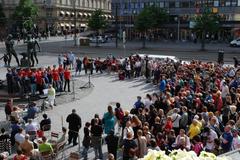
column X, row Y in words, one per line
column 97, row 21
column 2, row 17
column 26, row 13
column 207, row 22
column 150, row 18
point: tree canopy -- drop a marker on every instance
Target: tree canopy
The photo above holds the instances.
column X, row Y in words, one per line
column 207, row 22
column 26, row 13
column 2, row 17
column 97, row 21
column 150, row 18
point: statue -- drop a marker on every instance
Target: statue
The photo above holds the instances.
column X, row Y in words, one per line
column 10, row 50
column 31, row 50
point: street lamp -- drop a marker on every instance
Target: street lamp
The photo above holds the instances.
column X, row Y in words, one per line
column 75, row 22
column 178, row 27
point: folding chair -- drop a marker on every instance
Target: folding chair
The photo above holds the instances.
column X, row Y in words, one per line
column 46, row 156
column 61, row 148
column 54, row 135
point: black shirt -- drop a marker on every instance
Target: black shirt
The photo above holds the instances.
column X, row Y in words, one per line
column 75, row 122
column 96, row 130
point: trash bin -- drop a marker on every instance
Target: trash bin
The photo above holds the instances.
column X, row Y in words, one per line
column 221, row 56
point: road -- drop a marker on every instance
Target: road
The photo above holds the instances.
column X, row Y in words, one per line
column 183, row 50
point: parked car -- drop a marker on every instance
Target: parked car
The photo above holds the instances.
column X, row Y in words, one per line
column 99, row 38
column 235, row 42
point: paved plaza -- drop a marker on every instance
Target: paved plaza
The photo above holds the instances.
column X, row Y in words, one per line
column 107, row 88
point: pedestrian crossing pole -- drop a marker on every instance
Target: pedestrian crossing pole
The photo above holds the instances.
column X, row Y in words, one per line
column 124, row 43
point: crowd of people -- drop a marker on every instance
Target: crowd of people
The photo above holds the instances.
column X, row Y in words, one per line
column 197, row 108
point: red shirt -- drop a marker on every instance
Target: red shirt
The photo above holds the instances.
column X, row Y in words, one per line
column 67, row 74
column 60, row 69
column 168, row 126
column 21, row 157
column 55, row 75
column 39, row 77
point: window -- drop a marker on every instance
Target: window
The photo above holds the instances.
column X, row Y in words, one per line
column 192, row 4
column 216, row 3
column 234, row 3
column 177, row 4
column 136, row 5
column 184, row 4
column 141, row 5
column 238, row 2
column 132, row 5
column 228, row 3
column 222, row 3
column 210, row 3
column 167, row 4
column 161, row 4
column 171, row 4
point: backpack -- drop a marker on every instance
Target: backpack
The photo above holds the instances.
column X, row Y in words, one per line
column 119, row 113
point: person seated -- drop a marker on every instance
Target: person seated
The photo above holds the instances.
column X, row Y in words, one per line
column 30, row 126
column 31, row 112
column 15, row 115
column 20, row 155
column 4, row 141
column 19, row 137
column 27, row 146
column 45, row 146
column 45, row 121
column 64, row 137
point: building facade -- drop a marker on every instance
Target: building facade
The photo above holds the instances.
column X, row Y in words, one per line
column 181, row 14
column 59, row 15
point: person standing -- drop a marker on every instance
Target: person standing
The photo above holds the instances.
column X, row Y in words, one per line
column 75, row 124
column 78, row 66
column 86, row 140
column 227, row 139
column 8, row 109
column 112, row 143
column 51, row 95
column 96, row 137
column 67, row 77
column 109, row 120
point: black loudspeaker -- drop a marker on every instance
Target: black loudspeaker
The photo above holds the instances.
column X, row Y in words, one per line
column 221, row 57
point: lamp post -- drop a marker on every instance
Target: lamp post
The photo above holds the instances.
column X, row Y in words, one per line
column 116, row 24
column 75, row 22
column 178, row 27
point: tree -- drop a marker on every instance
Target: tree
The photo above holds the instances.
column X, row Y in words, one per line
column 97, row 22
column 150, row 18
column 207, row 22
column 25, row 14
column 2, row 17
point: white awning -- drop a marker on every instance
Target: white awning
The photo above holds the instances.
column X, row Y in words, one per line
column 106, row 16
column 109, row 16
column 89, row 14
column 73, row 13
column 85, row 14
column 67, row 25
column 72, row 25
column 62, row 12
column 62, row 24
column 80, row 13
column 67, row 13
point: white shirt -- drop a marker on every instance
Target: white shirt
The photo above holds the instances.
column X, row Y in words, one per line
column 175, row 119
column 31, row 127
column 19, row 137
column 210, row 141
column 126, row 130
column 138, row 64
column 147, row 103
column 225, row 91
column 236, row 142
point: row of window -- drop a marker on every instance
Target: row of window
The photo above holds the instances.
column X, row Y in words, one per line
column 177, row 4
column 103, row 4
